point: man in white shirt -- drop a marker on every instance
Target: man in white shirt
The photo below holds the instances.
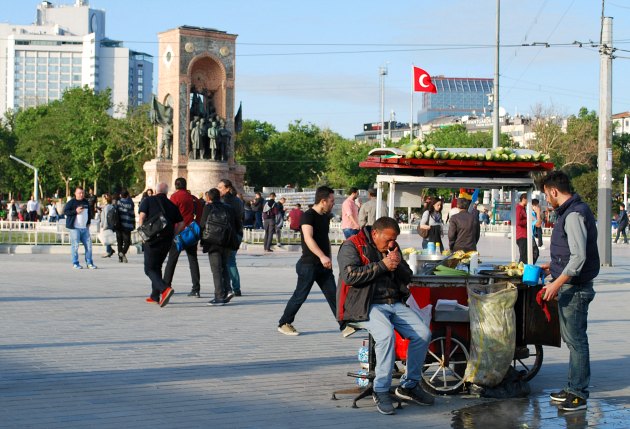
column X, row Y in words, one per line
column 32, row 206
column 78, row 215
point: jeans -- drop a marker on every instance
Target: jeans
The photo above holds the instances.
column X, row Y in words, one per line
column 258, row 224
column 279, row 232
column 193, row 263
column 308, row 274
column 349, row 232
column 270, row 229
column 522, row 250
column 621, row 231
column 124, row 241
column 218, row 265
column 573, row 301
column 383, row 319
column 154, row 256
column 81, row 235
column 235, row 277
column 538, row 235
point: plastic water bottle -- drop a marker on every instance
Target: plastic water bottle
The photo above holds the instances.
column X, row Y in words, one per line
column 474, row 263
column 438, row 250
column 413, row 263
column 431, row 248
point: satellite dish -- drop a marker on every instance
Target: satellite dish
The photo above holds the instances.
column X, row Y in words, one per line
column 501, row 112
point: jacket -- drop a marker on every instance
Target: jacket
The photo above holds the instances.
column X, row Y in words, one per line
column 463, row 232
column 126, row 214
column 71, row 212
column 362, row 274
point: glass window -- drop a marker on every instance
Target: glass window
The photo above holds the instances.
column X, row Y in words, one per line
column 53, row 78
column 31, row 54
column 53, row 69
column 41, row 77
column 53, row 60
column 30, row 84
column 65, row 78
column 30, row 68
column 76, row 77
column 76, row 61
column 42, row 68
column 30, row 76
column 65, row 69
column 65, row 61
column 139, row 88
column 140, row 71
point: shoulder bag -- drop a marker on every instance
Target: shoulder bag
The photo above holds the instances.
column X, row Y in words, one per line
column 424, row 233
column 151, row 228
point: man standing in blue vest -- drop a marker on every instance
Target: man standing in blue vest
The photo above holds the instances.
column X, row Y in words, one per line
column 574, row 265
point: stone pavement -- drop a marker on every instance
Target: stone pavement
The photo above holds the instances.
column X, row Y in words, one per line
column 82, row 349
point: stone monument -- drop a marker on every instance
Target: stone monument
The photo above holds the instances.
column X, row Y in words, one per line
column 194, row 110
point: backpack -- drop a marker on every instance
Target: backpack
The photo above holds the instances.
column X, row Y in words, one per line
column 269, row 210
column 218, row 230
column 113, row 218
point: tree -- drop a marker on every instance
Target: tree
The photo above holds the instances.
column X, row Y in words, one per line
column 343, row 160
column 250, row 149
column 458, row 136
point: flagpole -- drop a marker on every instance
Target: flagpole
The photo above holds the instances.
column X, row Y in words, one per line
column 411, row 116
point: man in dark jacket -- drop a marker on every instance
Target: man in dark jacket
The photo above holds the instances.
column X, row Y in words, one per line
column 228, row 196
column 127, row 216
column 156, row 250
column 218, row 255
column 622, row 223
column 463, row 229
column 257, row 208
column 78, row 216
column 372, row 292
column 574, row 265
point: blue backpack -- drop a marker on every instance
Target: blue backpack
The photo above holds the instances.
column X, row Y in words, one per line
column 189, row 236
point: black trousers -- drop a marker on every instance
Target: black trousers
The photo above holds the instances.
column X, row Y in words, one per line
column 154, row 256
column 621, row 231
column 124, row 241
column 270, row 229
column 220, row 275
column 522, row 250
column 173, row 256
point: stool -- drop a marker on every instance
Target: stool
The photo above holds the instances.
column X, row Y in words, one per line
column 369, row 389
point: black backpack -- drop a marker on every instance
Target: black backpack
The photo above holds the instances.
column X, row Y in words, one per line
column 218, row 230
column 113, row 218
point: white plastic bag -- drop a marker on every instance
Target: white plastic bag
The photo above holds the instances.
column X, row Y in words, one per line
column 424, row 313
column 107, row 236
column 492, row 332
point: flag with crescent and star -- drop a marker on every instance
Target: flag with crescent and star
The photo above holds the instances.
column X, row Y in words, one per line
column 422, row 81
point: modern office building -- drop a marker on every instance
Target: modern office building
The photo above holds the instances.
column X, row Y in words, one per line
column 456, row 97
column 67, row 47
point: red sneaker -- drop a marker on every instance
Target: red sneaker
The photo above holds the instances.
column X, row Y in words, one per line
column 166, row 296
column 150, row 300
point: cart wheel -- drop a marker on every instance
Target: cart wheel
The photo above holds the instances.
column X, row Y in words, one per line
column 527, row 362
column 436, row 376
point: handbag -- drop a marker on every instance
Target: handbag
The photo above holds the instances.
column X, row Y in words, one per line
column 151, row 229
column 424, row 233
column 189, row 236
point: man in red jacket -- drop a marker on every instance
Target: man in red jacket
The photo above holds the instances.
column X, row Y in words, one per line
column 521, row 231
column 189, row 207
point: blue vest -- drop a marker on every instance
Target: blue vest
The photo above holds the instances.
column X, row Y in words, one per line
column 559, row 249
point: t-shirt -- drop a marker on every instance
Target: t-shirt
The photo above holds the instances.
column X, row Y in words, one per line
column 150, row 206
column 320, row 224
column 80, row 221
column 295, row 215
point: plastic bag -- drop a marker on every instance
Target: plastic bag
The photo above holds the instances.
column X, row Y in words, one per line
column 424, row 313
column 107, row 236
column 492, row 332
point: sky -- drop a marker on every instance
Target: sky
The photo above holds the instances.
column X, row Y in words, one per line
column 318, row 61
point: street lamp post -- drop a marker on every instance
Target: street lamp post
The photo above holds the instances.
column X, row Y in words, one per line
column 382, row 72
column 35, row 175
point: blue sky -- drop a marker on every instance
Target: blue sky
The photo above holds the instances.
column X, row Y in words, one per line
column 318, row 60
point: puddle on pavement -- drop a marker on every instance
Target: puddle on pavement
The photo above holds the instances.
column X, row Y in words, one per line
column 538, row 412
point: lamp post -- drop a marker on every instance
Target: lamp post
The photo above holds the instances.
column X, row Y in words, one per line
column 382, row 72
column 35, row 175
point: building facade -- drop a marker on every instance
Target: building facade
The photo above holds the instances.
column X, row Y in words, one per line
column 621, row 123
column 66, row 47
column 456, row 97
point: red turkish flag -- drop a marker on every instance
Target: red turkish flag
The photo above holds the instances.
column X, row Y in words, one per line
column 422, row 81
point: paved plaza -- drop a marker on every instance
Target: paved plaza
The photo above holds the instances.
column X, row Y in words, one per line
column 82, row 349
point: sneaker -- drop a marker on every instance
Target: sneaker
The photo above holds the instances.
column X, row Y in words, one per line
column 560, row 396
column 92, row 266
column 416, row 394
column 195, row 293
column 124, row 259
column 228, row 297
column 77, row 267
column 150, row 300
column 347, row 331
column 237, row 293
column 120, row 257
column 107, row 255
column 216, row 302
column 268, row 251
column 166, row 296
column 288, row 329
column 573, row 403
column 541, row 247
column 383, row 403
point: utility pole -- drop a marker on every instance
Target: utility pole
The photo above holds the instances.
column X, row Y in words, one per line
column 495, row 99
column 604, row 152
column 382, row 72
column 35, row 175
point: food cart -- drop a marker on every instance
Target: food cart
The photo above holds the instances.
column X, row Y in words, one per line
column 449, row 349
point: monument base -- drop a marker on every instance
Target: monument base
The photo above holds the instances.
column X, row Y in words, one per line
column 204, row 174
column 158, row 170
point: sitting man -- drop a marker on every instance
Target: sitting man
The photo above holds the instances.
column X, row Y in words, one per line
column 372, row 292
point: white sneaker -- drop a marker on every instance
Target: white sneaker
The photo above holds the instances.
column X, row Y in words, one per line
column 288, row 329
column 541, row 247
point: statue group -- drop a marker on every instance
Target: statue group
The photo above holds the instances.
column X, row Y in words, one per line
column 209, row 136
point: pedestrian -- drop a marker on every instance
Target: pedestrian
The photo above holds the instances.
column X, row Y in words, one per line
column 484, row 217
column 229, row 197
column 315, row 264
column 257, row 207
column 622, row 223
column 521, row 231
column 372, row 293
column 190, row 209
column 463, row 229
column 12, row 210
column 574, row 265
column 106, row 221
column 432, row 222
column 221, row 218
column 78, row 218
column 126, row 224
column 53, row 215
column 249, row 218
column 32, row 206
column 295, row 216
column 538, row 222
column 155, row 251
column 367, row 212
column 280, row 219
column 269, row 213
column 350, row 214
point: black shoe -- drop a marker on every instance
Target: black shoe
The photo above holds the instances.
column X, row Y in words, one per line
column 384, row 403
column 195, row 293
column 237, row 293
column 229, row 297
column 560, row 396
column 573, row 403
column 120, row 256
column 217, row 302
column 417, row 395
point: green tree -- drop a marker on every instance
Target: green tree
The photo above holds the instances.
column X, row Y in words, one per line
column 250, row 149
column 343, row 160
column 586, row 185
column 458, row 136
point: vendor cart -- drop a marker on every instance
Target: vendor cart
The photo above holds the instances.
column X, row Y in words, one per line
column 449, row 349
